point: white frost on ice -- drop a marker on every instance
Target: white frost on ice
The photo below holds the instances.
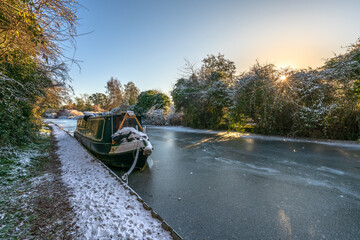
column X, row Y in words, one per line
column 270, row 170
column 104, row 208
column 331, row 170
column 247, row 166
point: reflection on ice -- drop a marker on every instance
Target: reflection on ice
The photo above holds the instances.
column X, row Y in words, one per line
column 285, row 223
column 150, row 162
column 196, row 144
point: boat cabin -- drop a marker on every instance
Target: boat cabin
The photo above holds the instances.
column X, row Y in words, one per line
column 101, row 128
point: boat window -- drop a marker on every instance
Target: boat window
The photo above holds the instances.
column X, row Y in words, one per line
column 95, row 128
column 118, row 121
column 81, row 125
column 129, row 122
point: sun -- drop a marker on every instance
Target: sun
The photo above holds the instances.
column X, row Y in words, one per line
column 283, row 77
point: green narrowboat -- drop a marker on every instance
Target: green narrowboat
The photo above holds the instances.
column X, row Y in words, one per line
column 115, row 139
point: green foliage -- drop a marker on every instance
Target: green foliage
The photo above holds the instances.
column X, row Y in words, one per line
column 221, row 66
column 357, row 88
column 36, row 28
column 98, row 99
column 80, row 103
column 83, row 103
column 31, row 63
column 262, row 96
column 149, row 99
column 205, row 96
column 18, row 96
column 24, row 94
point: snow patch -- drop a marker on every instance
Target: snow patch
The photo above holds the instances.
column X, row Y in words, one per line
column 132, row 132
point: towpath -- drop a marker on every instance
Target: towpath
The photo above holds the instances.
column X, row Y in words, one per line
column 103, row 207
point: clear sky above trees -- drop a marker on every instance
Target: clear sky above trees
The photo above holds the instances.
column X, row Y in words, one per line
column 146, row 41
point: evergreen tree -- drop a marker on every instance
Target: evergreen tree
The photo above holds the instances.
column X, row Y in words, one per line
column 151, row 99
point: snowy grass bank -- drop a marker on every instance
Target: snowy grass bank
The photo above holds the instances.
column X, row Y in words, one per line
column 18, row 179
column 104, row 208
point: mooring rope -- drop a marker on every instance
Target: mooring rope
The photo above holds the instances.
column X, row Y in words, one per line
column 125, row 176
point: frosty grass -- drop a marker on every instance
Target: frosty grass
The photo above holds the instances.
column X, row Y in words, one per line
column 17, row 165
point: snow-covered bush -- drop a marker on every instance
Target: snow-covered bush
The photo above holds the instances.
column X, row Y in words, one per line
column 17, row 121
column 174, row 118
column 163, row 116
column 309, row 102
column 155, row 117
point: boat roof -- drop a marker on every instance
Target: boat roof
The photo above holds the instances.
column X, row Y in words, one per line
column 123, row 113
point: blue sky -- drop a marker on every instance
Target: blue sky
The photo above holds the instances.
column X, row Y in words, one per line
column 146, row 41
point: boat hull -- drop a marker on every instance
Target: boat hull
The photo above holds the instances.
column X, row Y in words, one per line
column 123, row 160
column 102, row 151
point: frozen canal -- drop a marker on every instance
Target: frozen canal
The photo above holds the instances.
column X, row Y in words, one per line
column 211, row 186
column 218, row 186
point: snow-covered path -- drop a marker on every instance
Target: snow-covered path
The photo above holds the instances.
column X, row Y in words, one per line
column 105, row 209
